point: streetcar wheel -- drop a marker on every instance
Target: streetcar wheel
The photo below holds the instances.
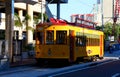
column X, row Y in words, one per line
column 40, row 62
column 101, row 58
column 94, row 58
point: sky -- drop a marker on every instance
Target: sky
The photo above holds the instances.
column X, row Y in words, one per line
column 73, row 7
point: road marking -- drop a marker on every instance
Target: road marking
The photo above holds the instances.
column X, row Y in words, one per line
column 115, row 75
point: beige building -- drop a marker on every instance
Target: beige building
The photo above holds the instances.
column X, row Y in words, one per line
column 30, row 7
column 107, row 9
column 21, row 8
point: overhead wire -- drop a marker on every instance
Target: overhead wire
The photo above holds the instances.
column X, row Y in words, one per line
column 90, row 11
column 87, row 5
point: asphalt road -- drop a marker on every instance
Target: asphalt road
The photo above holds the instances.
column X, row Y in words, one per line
column 110, row 69
column 90, row 69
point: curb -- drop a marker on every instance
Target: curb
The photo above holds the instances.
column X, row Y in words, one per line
column 23, row 63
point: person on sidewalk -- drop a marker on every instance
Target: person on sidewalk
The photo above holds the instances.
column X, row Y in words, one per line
column 110, row 48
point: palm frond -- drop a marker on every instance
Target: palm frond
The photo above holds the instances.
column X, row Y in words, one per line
column 29, row 28
column 17, row 20
column 27, row 17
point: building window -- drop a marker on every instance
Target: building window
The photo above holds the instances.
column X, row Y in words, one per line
column 82, row 16
column 24, row 35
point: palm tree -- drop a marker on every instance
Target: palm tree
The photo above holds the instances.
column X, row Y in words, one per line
column 117, row 31
column 108, row 30
column 36, row 18
column 20, row 23
column 17, row 20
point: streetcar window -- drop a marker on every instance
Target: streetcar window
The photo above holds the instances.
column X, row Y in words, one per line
column 50, row 37
column 39, row 36
column 80, row 41
column 61, row 37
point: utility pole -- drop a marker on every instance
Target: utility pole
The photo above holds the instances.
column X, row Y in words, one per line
column 116, row 11
column 58, row 9
column 114, row 21
column 9, row 29
column 102, row 15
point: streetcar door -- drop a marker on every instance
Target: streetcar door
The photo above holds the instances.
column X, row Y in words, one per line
column 71, row 45
column 80, row 42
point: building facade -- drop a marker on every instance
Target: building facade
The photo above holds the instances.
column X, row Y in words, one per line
column 105, row 11
column 89, row 17
column 23, row 9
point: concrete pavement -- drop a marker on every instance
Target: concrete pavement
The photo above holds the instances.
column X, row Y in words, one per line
column 114, row 54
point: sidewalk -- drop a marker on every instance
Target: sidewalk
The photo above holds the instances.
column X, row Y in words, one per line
column 23, row 62
column 114, row 54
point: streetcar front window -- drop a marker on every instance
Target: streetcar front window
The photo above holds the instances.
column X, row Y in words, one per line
column 39, row 37
column 50, row 37
column 61, row 37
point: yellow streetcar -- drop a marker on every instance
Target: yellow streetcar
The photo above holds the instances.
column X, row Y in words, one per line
column 67, row 41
